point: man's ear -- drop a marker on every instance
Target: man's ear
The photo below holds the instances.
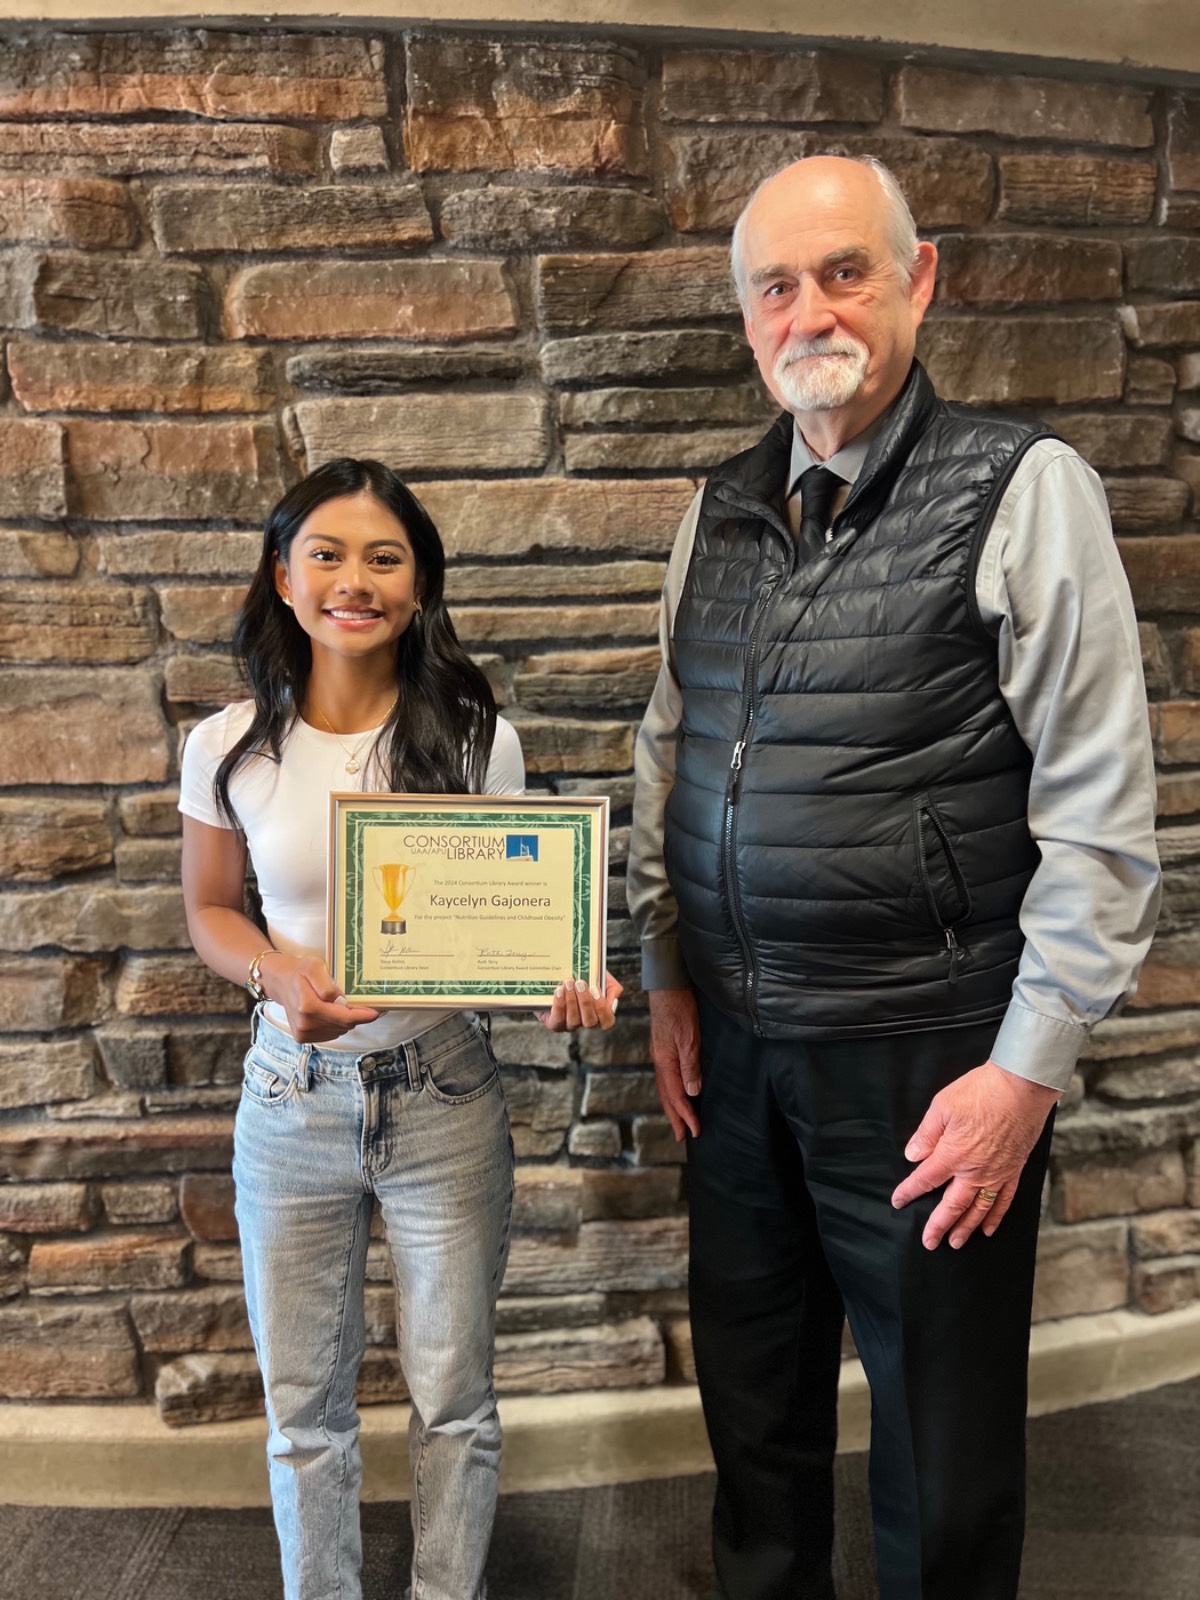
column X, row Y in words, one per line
column 921, row 285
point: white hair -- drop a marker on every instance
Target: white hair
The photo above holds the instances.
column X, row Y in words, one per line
column 902, row 230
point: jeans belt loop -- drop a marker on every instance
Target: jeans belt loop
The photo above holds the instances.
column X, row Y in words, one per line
column 412, row 1063
column 303, row 1069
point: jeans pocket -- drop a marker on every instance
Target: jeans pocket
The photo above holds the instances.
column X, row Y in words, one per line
column 464, row 1072
column 264, row 1083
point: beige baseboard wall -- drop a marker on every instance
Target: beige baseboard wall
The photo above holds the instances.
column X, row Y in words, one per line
column 123, row 1455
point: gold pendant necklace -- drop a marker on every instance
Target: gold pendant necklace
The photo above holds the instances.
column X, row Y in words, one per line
column 352, row 761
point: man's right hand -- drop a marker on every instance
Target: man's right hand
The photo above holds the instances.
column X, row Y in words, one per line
column 675, row 1048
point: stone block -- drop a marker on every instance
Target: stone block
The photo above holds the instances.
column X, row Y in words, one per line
column 1156, row 668
column 1179, row 211
column 656, row 408
column 151, row 814
column 94, row 916
column 600, row 293
column 1115, row 439
column 433, row 432
column 654, row 1144
column 208, row 1388
column 45, row 1208
column 12, row 1267
column 504, row 104
column 1175, row 725
column 594, row 1141
column 139, row 1204
column 188, row 552
column 61, row 1351
column 547, row 1199
column 370, row 370
column 201, row 614
column 942, row 100
column 1106, row 1188
column 133, row 1057
column 601, row 680
column 162, row 985
column 1005, row 269
column 92, row 213
column 681, row 1359
column 126, row 1259
column 618, row 1355
column 614, row 580
column 556, row 517
column 710, row 176
column 649, row 1253
column 198, row 72
column 1178, row 794
column 206, row 1206
column 1170, row 1233
column 478, row 625
column 45, row 554
column 88, row 622
column 619, row 1094
column 107, row 376
column 530, row 1313
column 149, row 860
column 45, row 1073
column 1163, row 573
column 528, row 1044
column 370, row 299
column 1162, row 323
column 1020, row 360
column 207, row 680
column 697, row 451
column 187, row 148
column 769, row 86
column 1081, row 191
column 219, row 1263
column 1149, row 381
column 562, row 745
column 358, row 149
column 114, row 1149
column 1081, row 1270
column 196, row 1319
column 33, row 480
column 105, row 1103
column 1163, row 265
column 204, row 218
column 41, row 840
column 1143, row 504
column 1155, row 1078
column 1160, row 1286
column 141, row 471
column 125, row 297
column 626, row 1194
column 1183, row 141
column 513, row 217
column 1188, row 369
column 621, row 357
column 209, row 1054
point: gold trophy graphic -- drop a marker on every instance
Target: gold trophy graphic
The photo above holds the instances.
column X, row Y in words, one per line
column 392, row 880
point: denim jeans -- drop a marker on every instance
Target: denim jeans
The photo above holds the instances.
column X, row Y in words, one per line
column 319, row 1134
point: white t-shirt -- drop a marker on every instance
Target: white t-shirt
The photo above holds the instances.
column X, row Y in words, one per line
column 284, row 809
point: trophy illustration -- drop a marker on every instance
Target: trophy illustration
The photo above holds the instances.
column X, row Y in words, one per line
column 392, row 880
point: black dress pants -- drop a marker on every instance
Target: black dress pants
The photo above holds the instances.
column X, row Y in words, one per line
column 790, row 1183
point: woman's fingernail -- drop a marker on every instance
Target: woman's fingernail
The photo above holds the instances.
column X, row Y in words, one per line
column 558, row 993
column 580, row 986
column 595, row 993
column 615, row 1004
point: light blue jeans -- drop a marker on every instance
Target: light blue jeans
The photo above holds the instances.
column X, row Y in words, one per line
column 319, row 1134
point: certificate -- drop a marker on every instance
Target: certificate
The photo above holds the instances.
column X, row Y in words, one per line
column 461, row 900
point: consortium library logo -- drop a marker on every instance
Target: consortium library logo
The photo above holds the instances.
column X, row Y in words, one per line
column 521, row 847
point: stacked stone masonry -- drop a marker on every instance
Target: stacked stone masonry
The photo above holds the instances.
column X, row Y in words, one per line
column 499, row 263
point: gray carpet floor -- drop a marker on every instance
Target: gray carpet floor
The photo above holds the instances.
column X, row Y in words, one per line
column 1114, row 1514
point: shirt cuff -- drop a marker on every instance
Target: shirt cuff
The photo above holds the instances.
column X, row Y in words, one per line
column 1042, row 1049
column 662, row 964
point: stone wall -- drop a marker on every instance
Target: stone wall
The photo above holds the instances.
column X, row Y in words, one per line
column 499, row 263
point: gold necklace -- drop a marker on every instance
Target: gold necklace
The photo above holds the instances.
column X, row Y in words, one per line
column 352, row 762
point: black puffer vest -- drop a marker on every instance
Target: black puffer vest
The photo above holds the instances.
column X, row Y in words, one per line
column 846, row 836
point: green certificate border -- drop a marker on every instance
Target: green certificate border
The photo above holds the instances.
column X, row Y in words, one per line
column 584, row 818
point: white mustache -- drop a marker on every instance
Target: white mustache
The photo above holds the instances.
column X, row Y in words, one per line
column 802, row 349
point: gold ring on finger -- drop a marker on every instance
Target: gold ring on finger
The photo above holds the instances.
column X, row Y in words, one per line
column 988, row 1196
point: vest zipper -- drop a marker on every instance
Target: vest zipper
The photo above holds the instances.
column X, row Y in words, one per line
column 732, row 790
column 956, row 952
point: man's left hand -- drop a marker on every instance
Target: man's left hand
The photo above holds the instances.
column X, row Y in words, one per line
column 975, row 1138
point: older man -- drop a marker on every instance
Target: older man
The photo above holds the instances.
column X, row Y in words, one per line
column 893, row 855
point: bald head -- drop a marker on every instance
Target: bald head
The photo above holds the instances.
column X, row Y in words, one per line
column 863, row 177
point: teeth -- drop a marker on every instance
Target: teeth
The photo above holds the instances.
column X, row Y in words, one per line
column 354, row 616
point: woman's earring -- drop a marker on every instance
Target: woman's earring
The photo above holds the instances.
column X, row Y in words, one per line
column 290, row 604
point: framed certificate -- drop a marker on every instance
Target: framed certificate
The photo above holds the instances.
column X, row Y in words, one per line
column 461, row 900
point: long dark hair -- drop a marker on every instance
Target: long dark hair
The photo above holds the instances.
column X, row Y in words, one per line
column 438, row 736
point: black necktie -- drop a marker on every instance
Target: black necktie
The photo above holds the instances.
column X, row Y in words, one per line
column 818, row 486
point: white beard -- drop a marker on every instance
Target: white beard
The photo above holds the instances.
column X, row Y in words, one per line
column 824, row 384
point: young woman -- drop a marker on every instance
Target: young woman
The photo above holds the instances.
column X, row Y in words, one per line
column 358, row 680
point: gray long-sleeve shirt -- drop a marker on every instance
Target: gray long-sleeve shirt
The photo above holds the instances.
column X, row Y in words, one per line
column 1051, row 582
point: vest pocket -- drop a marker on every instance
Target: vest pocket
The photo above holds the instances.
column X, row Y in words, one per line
column 947, row 897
